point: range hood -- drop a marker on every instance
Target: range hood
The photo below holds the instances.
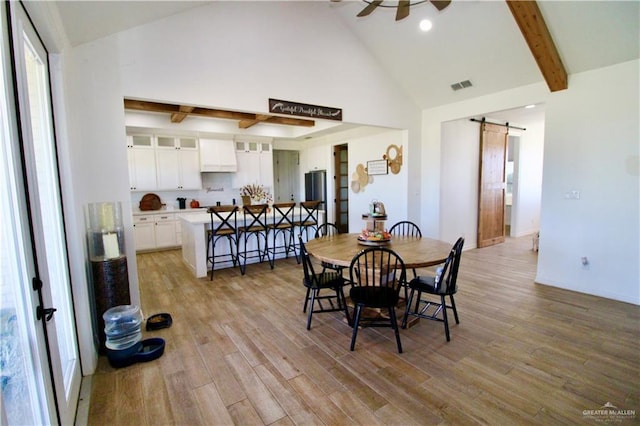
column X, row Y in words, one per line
column 217, row 155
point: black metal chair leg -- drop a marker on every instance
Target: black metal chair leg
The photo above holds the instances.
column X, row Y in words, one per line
column 306, row 301
column 408, row 308
column 394, row 325
column 356, row 322
column 455, row 311
column 346, row 308
column 444, row 317
column 313, row 301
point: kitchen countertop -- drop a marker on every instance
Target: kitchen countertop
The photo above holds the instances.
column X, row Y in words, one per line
column 167, row 209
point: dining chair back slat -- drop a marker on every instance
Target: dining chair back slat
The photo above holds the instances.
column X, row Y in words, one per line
column 377, row 274
column 443, row 284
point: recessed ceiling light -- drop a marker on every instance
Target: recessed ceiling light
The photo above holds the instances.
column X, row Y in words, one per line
column 530, row 106
column 425, row 25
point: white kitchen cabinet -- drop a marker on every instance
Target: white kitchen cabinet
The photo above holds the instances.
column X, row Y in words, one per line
column 141, row 157
column 154, row 231
column 217, row 155
column 178, row 163
column 255, row 164
column 165, row 230
column 144, row 232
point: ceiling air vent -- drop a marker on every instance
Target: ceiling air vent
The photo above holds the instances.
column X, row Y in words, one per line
column 461, row 85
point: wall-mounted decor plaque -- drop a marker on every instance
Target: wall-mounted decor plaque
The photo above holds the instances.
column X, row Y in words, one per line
column 377, row 167
column 278, row 106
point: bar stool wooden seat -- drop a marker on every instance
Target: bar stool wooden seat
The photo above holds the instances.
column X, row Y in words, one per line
column 308, row 223
column 223, row 225
column 282, row 226
column 254, row 226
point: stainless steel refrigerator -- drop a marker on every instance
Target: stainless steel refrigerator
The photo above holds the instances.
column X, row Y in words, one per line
column 315, row 187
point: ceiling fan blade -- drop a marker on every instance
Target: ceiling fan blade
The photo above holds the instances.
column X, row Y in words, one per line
column 370, row 8
column 403, row 9
column 440, row 4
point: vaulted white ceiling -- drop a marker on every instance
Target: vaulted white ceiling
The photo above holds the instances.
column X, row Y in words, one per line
column 470, row 40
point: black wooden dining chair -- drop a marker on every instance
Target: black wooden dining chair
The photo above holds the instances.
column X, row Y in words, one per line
column 328, row 230
column 315, row 282
column 406, row 227
column 377, row 273
column 442, row 284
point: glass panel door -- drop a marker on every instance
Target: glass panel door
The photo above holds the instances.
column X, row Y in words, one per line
column 45, row 274
column 25, row 384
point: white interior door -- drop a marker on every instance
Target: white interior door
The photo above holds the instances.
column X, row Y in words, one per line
column 43, row 267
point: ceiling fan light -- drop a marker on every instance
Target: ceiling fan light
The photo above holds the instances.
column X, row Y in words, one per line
column 425, row 25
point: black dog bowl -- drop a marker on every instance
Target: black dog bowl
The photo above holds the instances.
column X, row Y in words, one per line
column 150, row 349
column 123, row 357
column 158, row 321
column 143, row 351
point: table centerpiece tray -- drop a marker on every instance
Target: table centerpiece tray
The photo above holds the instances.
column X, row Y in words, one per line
column 374, row 242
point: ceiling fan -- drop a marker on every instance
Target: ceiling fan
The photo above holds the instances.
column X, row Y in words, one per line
column 402, row 6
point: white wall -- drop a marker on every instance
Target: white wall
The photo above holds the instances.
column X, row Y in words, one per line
column 364, row 144
column 527, row 195
column 215, row 56
column 459, row 181
column 590, row 144
column 459, row 159
column 390, row 189
column 431, row 152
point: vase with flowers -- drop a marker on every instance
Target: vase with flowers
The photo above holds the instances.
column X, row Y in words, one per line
column 255, row 193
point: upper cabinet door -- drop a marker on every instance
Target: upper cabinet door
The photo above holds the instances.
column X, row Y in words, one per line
column 255, row 164
column 167, row 161
column 190, row 177
column 142, row 163
column 217, row 155
column 178, row 163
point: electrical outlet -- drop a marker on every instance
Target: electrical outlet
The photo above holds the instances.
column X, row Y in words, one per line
column 574, row 194
column 585, row 262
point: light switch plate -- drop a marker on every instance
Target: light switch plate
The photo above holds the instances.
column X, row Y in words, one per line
column 574, row 194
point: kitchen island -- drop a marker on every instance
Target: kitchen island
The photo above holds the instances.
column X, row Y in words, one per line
column 194, row 240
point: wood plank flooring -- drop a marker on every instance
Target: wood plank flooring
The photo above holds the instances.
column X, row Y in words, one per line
column 238, row 352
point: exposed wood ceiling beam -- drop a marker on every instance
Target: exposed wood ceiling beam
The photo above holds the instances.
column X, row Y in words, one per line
column 532, row 26
column 245, row 124
column 177, row 117
column 179, row 112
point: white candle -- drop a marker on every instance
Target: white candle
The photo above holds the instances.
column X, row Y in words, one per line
column 110, row 243
column 107, row 219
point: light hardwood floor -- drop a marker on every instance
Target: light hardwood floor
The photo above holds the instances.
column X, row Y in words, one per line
column 239, row 353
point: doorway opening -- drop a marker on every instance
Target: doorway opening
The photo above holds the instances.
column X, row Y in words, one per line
column 286, row 176
column 341, row 186
column 511, row 182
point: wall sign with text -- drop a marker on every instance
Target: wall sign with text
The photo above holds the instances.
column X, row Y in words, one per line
column 377, row 167
column 278, row 106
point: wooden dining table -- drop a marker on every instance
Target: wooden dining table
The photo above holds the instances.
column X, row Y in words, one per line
column 416, row 252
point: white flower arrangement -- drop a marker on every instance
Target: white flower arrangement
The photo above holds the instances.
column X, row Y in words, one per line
column 257, row 193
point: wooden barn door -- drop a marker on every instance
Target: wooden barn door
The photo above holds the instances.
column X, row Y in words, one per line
column 491, row 187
